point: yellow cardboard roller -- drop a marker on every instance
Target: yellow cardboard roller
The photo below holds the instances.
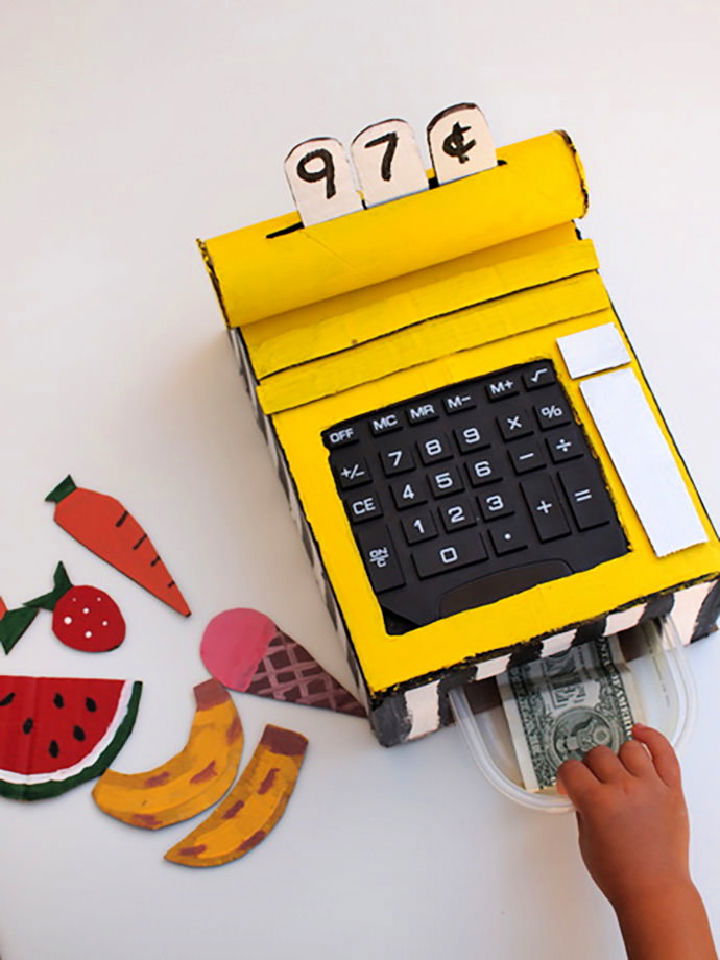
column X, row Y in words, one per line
column 270, row 268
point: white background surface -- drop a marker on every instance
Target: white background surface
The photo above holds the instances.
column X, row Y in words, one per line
column 127, row 130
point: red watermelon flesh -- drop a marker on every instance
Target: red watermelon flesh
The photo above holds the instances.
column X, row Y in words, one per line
column 58, row 732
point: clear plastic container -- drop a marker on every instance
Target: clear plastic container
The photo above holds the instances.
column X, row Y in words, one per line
column 663, row 683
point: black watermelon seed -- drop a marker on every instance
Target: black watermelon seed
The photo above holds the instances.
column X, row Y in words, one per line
column 53, row 749
column 59, row 701
column 28, row 725
column 90, row 704
column 78, row 733
column 7, row 699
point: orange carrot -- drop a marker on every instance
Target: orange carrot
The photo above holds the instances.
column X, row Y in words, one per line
column 104, row 526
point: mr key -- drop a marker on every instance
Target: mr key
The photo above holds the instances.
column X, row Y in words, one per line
column 472, row 493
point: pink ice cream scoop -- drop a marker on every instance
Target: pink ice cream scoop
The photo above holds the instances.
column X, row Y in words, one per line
column 246, row 651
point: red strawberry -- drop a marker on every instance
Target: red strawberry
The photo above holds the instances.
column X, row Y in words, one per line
column 84, row 617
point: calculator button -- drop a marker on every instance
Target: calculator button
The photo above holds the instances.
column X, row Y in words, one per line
column 383, row 423
column 506, row 386
column 587, row 496
column 544, row 506
column 419, row 526
column 526, row 456
column 341, row 437
column 564, row 445
column 379, row 557
column 538, row 375
column 397, row 461
column 508, row 536
column 407, row 493
column 456, row 402
column 364, row 508
column 515, row 423
column 552, row 413
column 422, row 413
column 493, row 505
column 470, row 439
column 443, row 483
column 351, row 472
column 458, row 514
column 482, row 470
column 450, row 553
column 434, row 448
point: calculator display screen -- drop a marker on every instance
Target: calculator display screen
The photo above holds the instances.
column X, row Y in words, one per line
column 472, row 493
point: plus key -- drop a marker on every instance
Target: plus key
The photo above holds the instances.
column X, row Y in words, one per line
column 543, row 503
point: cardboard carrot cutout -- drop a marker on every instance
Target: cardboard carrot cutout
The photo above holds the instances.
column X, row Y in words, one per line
column 84, row 617
column 104, row 526
column 248, row 814
column 246, row 651
column 189, row 782
column 13, row 624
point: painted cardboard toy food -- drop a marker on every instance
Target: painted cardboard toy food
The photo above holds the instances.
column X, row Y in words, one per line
column 246, row 651
column 13, row 624
column 84, row 617
column 192, row 780
column 248, row 814
column 59, row 732
column 104, row 526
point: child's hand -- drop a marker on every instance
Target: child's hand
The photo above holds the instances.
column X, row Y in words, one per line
column 634, row 839
column 632, row 818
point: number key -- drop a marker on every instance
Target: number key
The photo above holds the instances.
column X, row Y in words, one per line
column 397, row 461
column 470, row 439
column 419, row 526
column 482, row 471
column 494, row 505
column 443, row 483
column 457, row 515
column 407, row 493
column 434, row 448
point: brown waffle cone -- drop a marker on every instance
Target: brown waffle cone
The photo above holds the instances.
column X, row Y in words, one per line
column 288, row 672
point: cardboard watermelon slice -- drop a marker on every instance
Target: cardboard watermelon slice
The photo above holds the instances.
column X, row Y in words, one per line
column 59, row 732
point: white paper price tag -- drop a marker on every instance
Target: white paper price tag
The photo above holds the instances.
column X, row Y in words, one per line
column 460, row 142
column 387, row 162
column 321, row 181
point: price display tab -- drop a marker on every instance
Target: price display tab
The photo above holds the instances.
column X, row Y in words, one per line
column 321, row 180
column 388, row 162
column 460, row 143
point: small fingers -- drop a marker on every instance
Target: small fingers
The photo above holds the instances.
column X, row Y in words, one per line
column 635, row 758
column 576, row 781
column 605, row 764
column 663, row 756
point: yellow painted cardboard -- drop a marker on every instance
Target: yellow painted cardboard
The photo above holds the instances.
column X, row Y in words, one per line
column 538, row 185
column 377, row 307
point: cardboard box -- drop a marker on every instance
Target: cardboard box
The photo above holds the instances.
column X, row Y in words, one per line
column 380, row 306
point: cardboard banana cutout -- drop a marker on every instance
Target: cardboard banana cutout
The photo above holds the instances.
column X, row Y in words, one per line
column 248, row 814
column 192, row 780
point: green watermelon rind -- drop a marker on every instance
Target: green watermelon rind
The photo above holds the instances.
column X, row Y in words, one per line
column 53, row 788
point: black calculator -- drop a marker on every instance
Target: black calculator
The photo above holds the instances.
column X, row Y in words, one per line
column 472, row 493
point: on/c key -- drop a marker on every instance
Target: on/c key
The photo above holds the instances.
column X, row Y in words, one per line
column 379, row 557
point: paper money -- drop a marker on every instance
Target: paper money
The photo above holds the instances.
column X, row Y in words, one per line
column 560, row 707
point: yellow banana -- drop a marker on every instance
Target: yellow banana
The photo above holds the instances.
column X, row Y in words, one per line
column 248, row 814
column 192, row 780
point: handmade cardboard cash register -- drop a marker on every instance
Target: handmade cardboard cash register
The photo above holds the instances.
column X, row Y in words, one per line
column 477, row 465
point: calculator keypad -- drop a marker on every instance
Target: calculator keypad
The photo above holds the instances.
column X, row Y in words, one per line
column 472, row 493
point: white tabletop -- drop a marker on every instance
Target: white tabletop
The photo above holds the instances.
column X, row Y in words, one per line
column 128, row 130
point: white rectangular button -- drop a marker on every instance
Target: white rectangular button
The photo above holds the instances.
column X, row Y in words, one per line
column 644, row 461
column 593, row 350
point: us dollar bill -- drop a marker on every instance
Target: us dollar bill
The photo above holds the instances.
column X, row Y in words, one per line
column 560, row 707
